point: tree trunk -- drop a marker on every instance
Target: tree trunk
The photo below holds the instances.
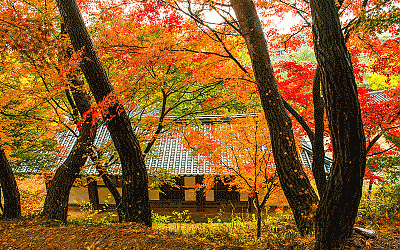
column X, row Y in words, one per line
column 337, row 211
column 258, row 207
column 135, row 194
column 318, row 149
column 56, row 202
column 296, row 186
column 12, row 204
column 93, row 193
column 1, row 203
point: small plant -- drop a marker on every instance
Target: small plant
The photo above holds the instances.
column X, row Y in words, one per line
column 86, row 208
column 182, row 217
column 278, row 229
column 156, row 218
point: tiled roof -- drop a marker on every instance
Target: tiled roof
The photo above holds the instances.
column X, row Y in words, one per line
column 170, row 155
column 379, row 95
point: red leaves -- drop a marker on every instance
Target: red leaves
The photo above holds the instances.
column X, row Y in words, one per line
column 394, row 29
column 295, row 81
column 369, row 175
column 173, row 20
column 78, row 125
column 377, row 115
column 158, row 14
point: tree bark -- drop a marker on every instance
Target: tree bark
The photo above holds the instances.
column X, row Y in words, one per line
column 56, row 202
column 135, row 195
column 338, row 207
column 12, row 204
column 258, row 220
column 1, row 204
column 93, row 193
column 295, row 184
column 318, row 149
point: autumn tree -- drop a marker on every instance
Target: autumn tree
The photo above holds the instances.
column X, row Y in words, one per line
column 155, row 73
column 155, row 70
column 338, row 206
column 135, row 196
column 240, row 149
column 47, row 69
column 29, row 120
column 31, row 117
column 301, row 197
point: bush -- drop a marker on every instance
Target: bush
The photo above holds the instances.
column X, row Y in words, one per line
column 380, row 206
column 389, row 196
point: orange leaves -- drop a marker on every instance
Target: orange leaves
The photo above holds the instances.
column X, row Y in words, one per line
column 240, row 148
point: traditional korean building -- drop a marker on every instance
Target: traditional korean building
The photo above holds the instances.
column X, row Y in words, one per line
column 173, row 157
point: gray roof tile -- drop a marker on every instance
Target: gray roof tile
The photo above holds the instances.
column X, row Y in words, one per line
column 379, row 95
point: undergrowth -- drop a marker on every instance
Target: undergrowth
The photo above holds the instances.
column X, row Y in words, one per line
column 278, row 229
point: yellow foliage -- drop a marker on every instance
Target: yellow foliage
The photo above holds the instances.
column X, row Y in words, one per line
column 379, row 82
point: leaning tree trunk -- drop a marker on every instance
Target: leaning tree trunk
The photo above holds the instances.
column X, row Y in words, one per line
column 295, row 184
column 337, row 211
column 135, row 194
column 12, row 204
column 56, row 202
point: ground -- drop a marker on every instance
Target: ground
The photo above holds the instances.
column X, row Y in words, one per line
column 34, row 233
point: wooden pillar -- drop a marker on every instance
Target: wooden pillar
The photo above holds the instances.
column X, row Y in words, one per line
column 93, row 193
column 200, row 198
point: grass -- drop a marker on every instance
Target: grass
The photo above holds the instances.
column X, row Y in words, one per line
column 278, row 228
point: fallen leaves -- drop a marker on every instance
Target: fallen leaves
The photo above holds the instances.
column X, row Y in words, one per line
column 37, row 234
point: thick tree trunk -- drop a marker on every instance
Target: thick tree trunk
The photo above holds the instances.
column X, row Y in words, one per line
column 56, row 202
column 135, row 195
column 12, row 204
column 338, row 207
column 318, row 164
column 296, row 186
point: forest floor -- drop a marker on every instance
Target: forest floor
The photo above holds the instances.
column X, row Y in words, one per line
column 33, row 233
